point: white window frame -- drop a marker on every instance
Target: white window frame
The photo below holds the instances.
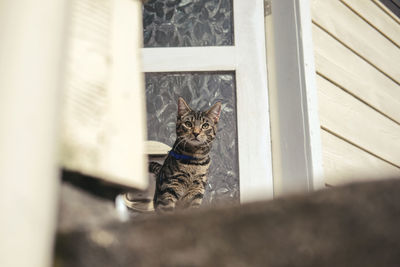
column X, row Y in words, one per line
column 297, row 156
column 247, row 59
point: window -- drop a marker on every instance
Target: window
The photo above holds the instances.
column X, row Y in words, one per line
column 209, row 50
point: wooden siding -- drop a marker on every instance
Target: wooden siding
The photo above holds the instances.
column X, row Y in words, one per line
column 357, row 55
column 356, row 165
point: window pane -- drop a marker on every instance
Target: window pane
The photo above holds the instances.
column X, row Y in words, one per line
column 178, row 23
column 200, row 90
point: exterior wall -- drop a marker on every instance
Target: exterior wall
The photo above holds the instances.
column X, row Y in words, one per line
column 357, row 57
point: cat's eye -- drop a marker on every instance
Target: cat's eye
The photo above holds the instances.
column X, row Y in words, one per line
column 205, row 125
column 188, row 124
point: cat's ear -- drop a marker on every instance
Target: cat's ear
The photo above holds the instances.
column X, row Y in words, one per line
column 214, row 112
column 183, row 108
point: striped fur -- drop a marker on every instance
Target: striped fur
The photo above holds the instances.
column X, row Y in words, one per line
column 155, row 167
column 181, row 180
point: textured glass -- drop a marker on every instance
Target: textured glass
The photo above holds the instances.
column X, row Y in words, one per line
column 201, row 91
column 177, row 23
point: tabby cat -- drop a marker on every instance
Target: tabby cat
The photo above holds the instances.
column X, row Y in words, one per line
column 181, row 180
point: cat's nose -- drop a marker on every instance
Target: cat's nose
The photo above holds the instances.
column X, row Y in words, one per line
column 196, row 131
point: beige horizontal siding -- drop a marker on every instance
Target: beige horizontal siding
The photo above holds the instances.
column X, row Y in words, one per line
column 350, row 29
column 344, row 162
column 339, row 64
column 377, row 18
column 386, row 10
column 348, row 117
column 357, row 57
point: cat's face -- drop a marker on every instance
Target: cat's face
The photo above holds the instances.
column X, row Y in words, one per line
column 197, row 128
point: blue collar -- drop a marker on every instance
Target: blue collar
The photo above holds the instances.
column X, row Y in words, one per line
column 180, row 156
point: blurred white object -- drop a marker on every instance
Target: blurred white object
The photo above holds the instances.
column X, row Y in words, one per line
column 122, row 209
column 103, row 126
column 32, row 38
column 104, row 107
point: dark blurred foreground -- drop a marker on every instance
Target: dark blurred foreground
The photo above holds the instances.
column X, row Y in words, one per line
column 355, row 225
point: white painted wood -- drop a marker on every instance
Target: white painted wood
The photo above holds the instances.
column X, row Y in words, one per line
column 345, row 163
column 254, row 145
column 376, row 17
column 354, row 121
column 273, row 96
column 215, row 58
column 125, row 132
column 32, row 47
column 85, row 100
column 341, row 65
column 311, row 122
column 350, row 29
column 104, row 129
column 294, row 109
column 247, row 59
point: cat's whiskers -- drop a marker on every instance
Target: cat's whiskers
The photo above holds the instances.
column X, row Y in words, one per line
column 178, row 143
column 184, row 144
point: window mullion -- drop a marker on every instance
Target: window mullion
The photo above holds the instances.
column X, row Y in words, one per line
column 174, row 59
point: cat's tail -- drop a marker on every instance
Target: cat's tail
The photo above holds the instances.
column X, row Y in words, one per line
column 155, row 167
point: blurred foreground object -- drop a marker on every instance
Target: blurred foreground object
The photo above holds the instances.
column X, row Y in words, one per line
column 86, row 61
column 31, row 61
column 104, row 108
column 354, row 225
